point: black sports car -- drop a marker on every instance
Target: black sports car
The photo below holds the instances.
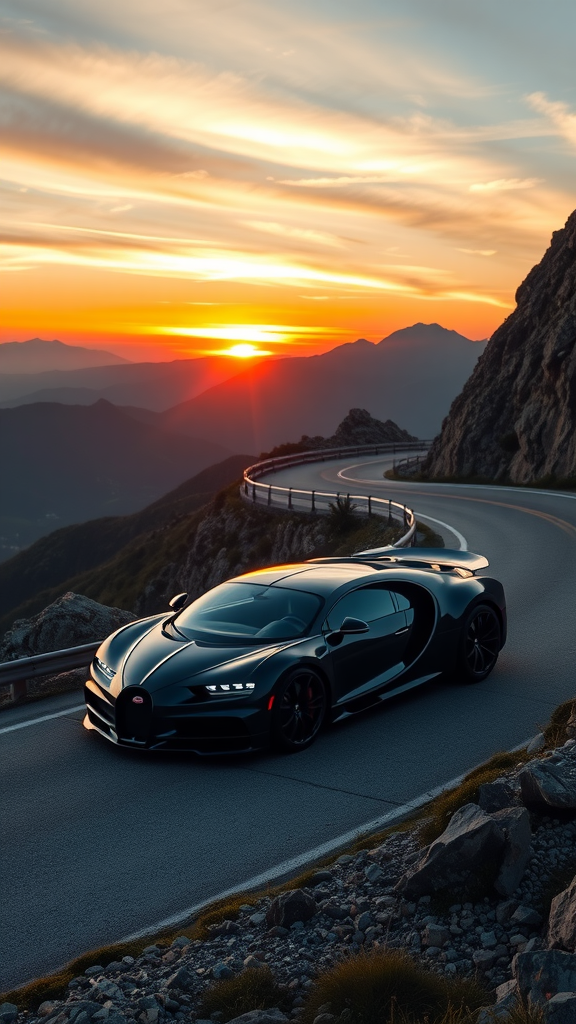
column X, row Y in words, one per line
column 268, row 657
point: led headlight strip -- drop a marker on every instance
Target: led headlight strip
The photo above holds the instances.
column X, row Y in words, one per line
column 231, row 687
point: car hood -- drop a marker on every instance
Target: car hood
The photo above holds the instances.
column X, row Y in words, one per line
column 158, row 659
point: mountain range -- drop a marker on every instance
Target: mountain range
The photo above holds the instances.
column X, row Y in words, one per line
column 36, row 356
column 410, row 376
column 63, row 463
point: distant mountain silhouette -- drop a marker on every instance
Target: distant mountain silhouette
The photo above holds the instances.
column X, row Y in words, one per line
column 410, row 377
column 63, row 464
column 36, row 356
column 156, row 386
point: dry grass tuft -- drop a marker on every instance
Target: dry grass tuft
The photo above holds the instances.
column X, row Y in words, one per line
column 388, row 987
column 253, row 989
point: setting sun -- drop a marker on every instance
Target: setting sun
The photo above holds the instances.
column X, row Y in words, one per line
column 245, row 351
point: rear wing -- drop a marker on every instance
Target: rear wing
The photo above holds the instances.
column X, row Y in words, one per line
column 442, row 559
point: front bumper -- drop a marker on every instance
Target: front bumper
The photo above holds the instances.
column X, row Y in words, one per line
column 213, row 727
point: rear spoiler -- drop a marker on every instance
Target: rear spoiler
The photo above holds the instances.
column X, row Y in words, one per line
column 424, row 558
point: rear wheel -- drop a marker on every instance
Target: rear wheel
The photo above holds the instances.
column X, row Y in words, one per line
column 299, row 710
column 479, row 644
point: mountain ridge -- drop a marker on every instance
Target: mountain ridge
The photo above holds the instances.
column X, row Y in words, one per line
column 15, row 356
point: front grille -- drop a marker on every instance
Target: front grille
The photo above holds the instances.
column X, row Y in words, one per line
column 133, row 719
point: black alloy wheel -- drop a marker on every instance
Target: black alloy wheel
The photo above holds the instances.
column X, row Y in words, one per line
column 480, row 644
column 299, row 710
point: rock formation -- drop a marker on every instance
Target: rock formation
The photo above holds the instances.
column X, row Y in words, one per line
column 516, row 415
column 68, row 622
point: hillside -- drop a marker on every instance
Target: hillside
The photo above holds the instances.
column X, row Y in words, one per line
column 35, row 356
column 515, row 418
column 73, row 550
column 411, row 377
column 135, row 561
column 62, row 464
column 202, row 549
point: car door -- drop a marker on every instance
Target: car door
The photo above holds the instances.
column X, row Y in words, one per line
column 366, row 661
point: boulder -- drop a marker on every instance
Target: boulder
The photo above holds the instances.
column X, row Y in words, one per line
column 69, row 621
column 506, row 1000
column 540, row 975
column 550, row 783
column 561, row 1009
column 515, row 823
column 562, row 919
column 273, row 1016
column 495, row 796
column 471, row 841
column 289, row 907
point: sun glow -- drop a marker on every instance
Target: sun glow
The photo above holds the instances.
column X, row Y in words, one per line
column 245, row 351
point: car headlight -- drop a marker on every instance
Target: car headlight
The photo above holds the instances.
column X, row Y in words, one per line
column 227, row 689
column 104, row 668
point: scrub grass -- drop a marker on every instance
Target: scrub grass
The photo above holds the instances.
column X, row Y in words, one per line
column 555, row 731
column 253, row 989
column 388, row 987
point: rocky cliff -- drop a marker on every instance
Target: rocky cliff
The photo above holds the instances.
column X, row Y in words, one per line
column 515, row 417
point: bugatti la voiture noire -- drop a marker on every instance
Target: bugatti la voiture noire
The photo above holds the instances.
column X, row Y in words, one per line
column 267, row 658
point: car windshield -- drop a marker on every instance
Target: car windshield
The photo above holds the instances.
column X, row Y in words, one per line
column 249, row 610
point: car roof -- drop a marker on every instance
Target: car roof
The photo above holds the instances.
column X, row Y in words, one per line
column 319, row 578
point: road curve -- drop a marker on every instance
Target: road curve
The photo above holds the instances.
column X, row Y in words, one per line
column 101, row 842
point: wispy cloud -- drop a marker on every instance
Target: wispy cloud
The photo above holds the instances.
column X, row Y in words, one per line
column 300, row 151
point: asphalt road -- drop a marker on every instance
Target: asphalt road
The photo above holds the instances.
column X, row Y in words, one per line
column 98, row 843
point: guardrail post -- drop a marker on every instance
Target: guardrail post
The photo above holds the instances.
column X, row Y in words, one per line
column 389, row 512
column 289, row 497
column 269, row 494
column 313, row 505
column 18, row 690
column 253, row 492
column 369, row 504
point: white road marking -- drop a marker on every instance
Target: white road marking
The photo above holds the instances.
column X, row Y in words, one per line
column 459, row 537
column 43, row 718
column 290, row 867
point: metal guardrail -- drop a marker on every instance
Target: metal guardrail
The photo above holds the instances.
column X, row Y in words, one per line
column 14, row 675
column 295, row 499
column 404, row 465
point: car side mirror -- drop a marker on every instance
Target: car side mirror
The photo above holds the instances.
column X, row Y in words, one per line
column 351, row 625
column 178, row 602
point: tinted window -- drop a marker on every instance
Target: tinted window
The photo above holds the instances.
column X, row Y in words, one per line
column 249, row 610
column 402, row 602
column 368, row 604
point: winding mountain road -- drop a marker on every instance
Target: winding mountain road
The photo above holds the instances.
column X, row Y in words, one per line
column 99, row 843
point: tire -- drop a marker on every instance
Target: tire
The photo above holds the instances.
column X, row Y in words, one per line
column 299, row 710
column 479, row 644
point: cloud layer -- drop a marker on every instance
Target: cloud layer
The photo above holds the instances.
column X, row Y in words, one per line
column 253, row 152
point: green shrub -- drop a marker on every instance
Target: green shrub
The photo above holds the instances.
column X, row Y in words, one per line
column 388, row 987
column 253, row 989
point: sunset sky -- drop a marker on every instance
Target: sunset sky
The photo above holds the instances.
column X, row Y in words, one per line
column 184, row 176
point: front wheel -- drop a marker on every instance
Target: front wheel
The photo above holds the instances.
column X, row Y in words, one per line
column 479, row 644
column 299, row 710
